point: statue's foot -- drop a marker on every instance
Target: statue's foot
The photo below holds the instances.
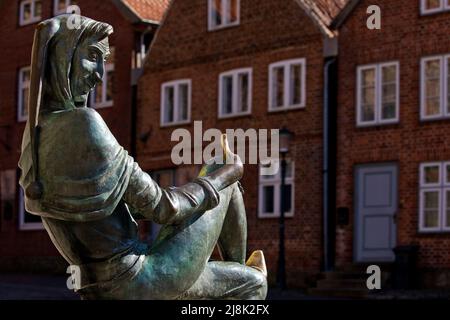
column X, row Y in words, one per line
column 257, row 262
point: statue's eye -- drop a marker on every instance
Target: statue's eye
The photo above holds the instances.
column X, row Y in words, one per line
column 93, row 56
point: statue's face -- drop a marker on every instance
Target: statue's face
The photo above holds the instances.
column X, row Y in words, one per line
column 88, row 67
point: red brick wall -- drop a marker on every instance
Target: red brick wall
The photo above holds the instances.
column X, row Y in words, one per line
column 405, row 36
column 269, row 31
column 15, row 45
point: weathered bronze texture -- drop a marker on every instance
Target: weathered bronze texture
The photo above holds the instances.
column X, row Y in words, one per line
column 90, row 193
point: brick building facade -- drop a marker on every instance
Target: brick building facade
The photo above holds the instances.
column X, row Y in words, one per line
column 401, row 72
column 24, row 243
column 220, row 62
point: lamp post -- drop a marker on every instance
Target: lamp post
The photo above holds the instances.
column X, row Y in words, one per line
column 285, row 140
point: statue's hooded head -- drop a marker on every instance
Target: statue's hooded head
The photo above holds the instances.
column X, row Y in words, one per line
column 67, row 62
column 74, row 60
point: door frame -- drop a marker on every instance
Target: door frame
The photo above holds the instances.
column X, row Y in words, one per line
column 356, row 167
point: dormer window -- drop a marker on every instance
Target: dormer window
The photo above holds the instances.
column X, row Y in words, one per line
column 223, row 13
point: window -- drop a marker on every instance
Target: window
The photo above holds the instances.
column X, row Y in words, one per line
column 24, row 90
column 223, row 13
column 103, row 94
column 30, row 11
column 287, row 82
column 270, row 193
column 378, row 94
column 435, row 90
column 433, row 6
column 60, row 6
column 27, row 221
column 176, row 102
column 235, row 93
column 434, row 213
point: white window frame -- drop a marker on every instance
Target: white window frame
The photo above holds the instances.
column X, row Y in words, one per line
column 444, row 6
column 26, row 226
column 33, row 18
column 286, row 90
column 109, row 67
column 378, row 94
column 55, row 7
column 22, row 85
column 235, row 98
column 441, row 188
column 176, row 84
column 444, row 74
column 276, row 183
column 225, row 7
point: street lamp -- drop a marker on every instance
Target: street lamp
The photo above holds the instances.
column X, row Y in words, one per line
column 285, row 139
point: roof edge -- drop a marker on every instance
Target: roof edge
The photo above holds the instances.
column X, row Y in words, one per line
column 130, row 13
column 317, row 20
column 344, row 14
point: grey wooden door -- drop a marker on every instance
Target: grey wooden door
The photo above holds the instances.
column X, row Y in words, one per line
column 376, row 204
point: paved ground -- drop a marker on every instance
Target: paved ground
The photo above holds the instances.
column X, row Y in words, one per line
column 44, row 287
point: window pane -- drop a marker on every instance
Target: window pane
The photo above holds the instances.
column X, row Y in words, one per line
column 433, row 88
column 27, row 11
column 368, row 105
column 278, row 87
column 447, row 210
column 431, row 209
column 389, row 101
column 169, row 105
column 368, row 78
column 268, row 199
column 389, row 74
column 433, row 107
column 431, row 200
column 24, row 106
column 431, row 218
column 216, row 12
column 227, row 95
column 296, row 84
column 368, row 95
column 448, row 85
column 243, row 92
column 233, row 10
column 432, row 4
column 288, row 198
column 431, row 174
column 448, row 174
column 37, row 9
column 433, row 69
column 183, row 97
column 109, row 85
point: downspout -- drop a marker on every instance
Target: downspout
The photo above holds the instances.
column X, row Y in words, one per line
column 328, row 222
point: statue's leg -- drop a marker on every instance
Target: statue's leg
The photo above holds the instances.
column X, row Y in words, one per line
column 233, row 238
column 181, row 254
column 228, row 280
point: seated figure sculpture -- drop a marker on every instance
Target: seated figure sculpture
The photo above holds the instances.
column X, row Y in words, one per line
column 89, row 192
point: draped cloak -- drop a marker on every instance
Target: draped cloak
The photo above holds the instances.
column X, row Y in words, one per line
column 83, row 170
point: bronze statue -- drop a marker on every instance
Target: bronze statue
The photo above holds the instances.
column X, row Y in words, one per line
column 90, row 192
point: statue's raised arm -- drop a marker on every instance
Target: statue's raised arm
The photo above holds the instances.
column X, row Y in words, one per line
column 90, row 192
